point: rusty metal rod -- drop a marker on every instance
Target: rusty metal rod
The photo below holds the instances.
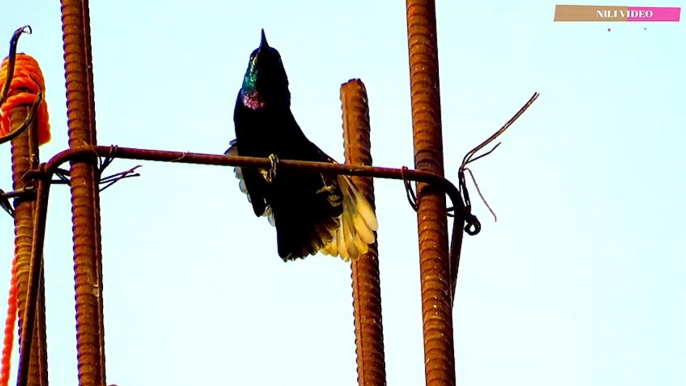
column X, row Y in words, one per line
column 25, row 158
column 78, row 64
column 35, row 273
column 371, row 365
column 435, row 265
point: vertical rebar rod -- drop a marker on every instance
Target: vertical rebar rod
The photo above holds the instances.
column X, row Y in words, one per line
column 85, row 194
column 371, row 366
column 25, row 158
column 439, row 352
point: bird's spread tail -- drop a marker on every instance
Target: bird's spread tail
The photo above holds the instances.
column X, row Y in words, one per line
column 356, row 226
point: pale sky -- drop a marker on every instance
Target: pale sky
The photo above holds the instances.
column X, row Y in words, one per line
column 580, row 282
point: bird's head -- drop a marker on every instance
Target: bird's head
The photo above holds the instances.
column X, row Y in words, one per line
column 265, row 80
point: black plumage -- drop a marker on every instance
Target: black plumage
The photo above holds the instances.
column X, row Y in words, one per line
column 312, row 212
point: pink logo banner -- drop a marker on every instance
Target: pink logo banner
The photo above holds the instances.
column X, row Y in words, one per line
column 653, row 14
column 614, row 13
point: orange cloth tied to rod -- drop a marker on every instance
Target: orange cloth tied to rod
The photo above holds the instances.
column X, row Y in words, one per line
column 27, row 76
column 28, row 80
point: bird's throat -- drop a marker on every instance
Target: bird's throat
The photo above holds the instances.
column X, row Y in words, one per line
column 252, row 100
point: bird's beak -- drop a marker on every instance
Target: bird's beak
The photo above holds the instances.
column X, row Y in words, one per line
column 263, row 43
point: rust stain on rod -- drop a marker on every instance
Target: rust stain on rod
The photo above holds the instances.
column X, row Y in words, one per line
column 371, row 366
column 78, row 66
column 439, row 352
column 25, row 158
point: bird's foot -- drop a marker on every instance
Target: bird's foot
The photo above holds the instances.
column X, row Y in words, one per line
column 326, row 188
column 272, row 170
column 329, row 188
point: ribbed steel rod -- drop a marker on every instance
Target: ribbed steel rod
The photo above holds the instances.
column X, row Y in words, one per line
column 25, row 158
column 439, row 355
column 371, row 366
column 78, row 64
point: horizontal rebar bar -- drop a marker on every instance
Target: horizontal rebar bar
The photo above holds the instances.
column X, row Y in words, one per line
column 56, row 161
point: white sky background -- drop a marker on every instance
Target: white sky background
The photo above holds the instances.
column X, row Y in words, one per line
column 580, row 282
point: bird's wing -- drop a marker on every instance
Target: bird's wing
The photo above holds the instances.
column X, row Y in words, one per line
column 233, row 151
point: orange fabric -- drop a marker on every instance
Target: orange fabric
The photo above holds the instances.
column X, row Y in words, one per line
column 25, row 69
column 9, row 328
